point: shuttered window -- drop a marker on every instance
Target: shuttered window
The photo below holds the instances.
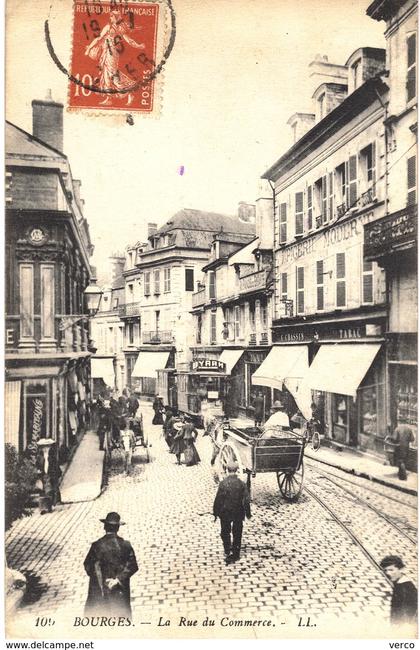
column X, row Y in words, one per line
column 341, row 279
column 300, row 290
column 157, row 282
column 167, row 280
column 367, row 289
column 283, row 223
column 189, row 279
column 309, row 207
column 212, row 285
column 411, row 66
column 320, row 285
column 299, row 213
column 411, row 181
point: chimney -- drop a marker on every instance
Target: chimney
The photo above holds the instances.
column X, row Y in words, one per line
column 117, row 262
column 47, row 121
column 76, row 192
column 246, row 212
column 151, row 229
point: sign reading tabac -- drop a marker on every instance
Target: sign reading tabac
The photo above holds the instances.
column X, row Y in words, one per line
column 113, row 55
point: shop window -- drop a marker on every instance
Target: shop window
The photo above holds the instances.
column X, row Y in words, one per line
column 341, row 279
column 405, row 385
column 367, row 288
column 368, row 410
column 411, row 181
column 156, row 284
column 212, row 285
column 147, row 283
column 340, row 416
column 411, row 66
column 213, row 331
column 167, row 280
column 309, row 212
column 299, row 213
column 300, row 290
column 320, row 285
column 283, row 223
column 189, row 279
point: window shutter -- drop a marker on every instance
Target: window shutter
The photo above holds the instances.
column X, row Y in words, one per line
column 320, row 298
column 368, row 287
column 341, row 294
column 284, row 284
column 283, row 223
column 411, row 180
column 320, row 272
column 352, row 182
column 411, row 50
column 341, row 265
column 309, row 206
column 299, row 213
column 324, row 199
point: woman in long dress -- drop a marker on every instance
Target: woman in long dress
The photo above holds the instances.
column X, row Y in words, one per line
column 106, row 49
column 158, row 409
column 190, row 451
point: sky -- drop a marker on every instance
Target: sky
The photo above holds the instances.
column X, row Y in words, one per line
column 238, row 71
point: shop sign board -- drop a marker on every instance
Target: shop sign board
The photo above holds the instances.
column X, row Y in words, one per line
column 204, row 365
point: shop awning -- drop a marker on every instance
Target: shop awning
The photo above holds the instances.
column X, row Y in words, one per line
column 148, row 363
column 340, row 367
column 282, row 362
column 12, row 412
column 231, row 358
column 103, row 369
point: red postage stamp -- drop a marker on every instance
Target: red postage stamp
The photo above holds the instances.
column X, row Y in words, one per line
column 113, row 65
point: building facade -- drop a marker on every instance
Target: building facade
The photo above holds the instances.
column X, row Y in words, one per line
column 232, row 312
column 392, row 242
column 47, row 270
column 330, row 302
column 160, row 278
column 107, row 331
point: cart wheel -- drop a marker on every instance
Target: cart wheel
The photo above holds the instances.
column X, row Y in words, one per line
column 228, row 453
column 291, row 483
column 316, row 441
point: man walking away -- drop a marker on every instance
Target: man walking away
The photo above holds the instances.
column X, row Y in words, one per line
column 403, row 435
column 110, row 564
column 232, row 505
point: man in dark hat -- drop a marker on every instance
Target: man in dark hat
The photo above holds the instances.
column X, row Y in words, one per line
column 110, row 564
column 232, row 505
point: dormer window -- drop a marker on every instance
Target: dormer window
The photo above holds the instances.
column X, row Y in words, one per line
column 321, row 106
column 357, row 73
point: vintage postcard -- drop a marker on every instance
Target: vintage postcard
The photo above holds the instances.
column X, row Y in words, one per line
column 210, row 387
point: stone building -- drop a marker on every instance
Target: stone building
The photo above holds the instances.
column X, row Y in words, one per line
column 160, row 278
column 47, row 270
column 330, row 302
column 392, row 241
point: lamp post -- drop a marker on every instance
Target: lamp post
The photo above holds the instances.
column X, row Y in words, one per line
column 93, row 296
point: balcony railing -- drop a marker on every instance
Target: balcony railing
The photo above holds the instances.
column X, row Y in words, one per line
column 129, row 309
column 253, row 339
column 155, row 337
column 199, row 297
column 390, row 234
column 264, row 338
column 253, row 281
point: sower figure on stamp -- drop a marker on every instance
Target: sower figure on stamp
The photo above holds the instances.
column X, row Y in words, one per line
column 232, row 505
column 110, row 564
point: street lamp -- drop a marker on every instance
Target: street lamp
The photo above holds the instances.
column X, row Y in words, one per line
column 93, row 296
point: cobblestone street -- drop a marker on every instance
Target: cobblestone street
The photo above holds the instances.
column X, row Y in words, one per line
column 296, row 562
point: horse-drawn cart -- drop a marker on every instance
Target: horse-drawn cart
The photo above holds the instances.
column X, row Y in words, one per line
column 255, row 450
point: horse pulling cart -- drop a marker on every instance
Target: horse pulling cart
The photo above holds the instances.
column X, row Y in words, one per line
column 270, row 450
